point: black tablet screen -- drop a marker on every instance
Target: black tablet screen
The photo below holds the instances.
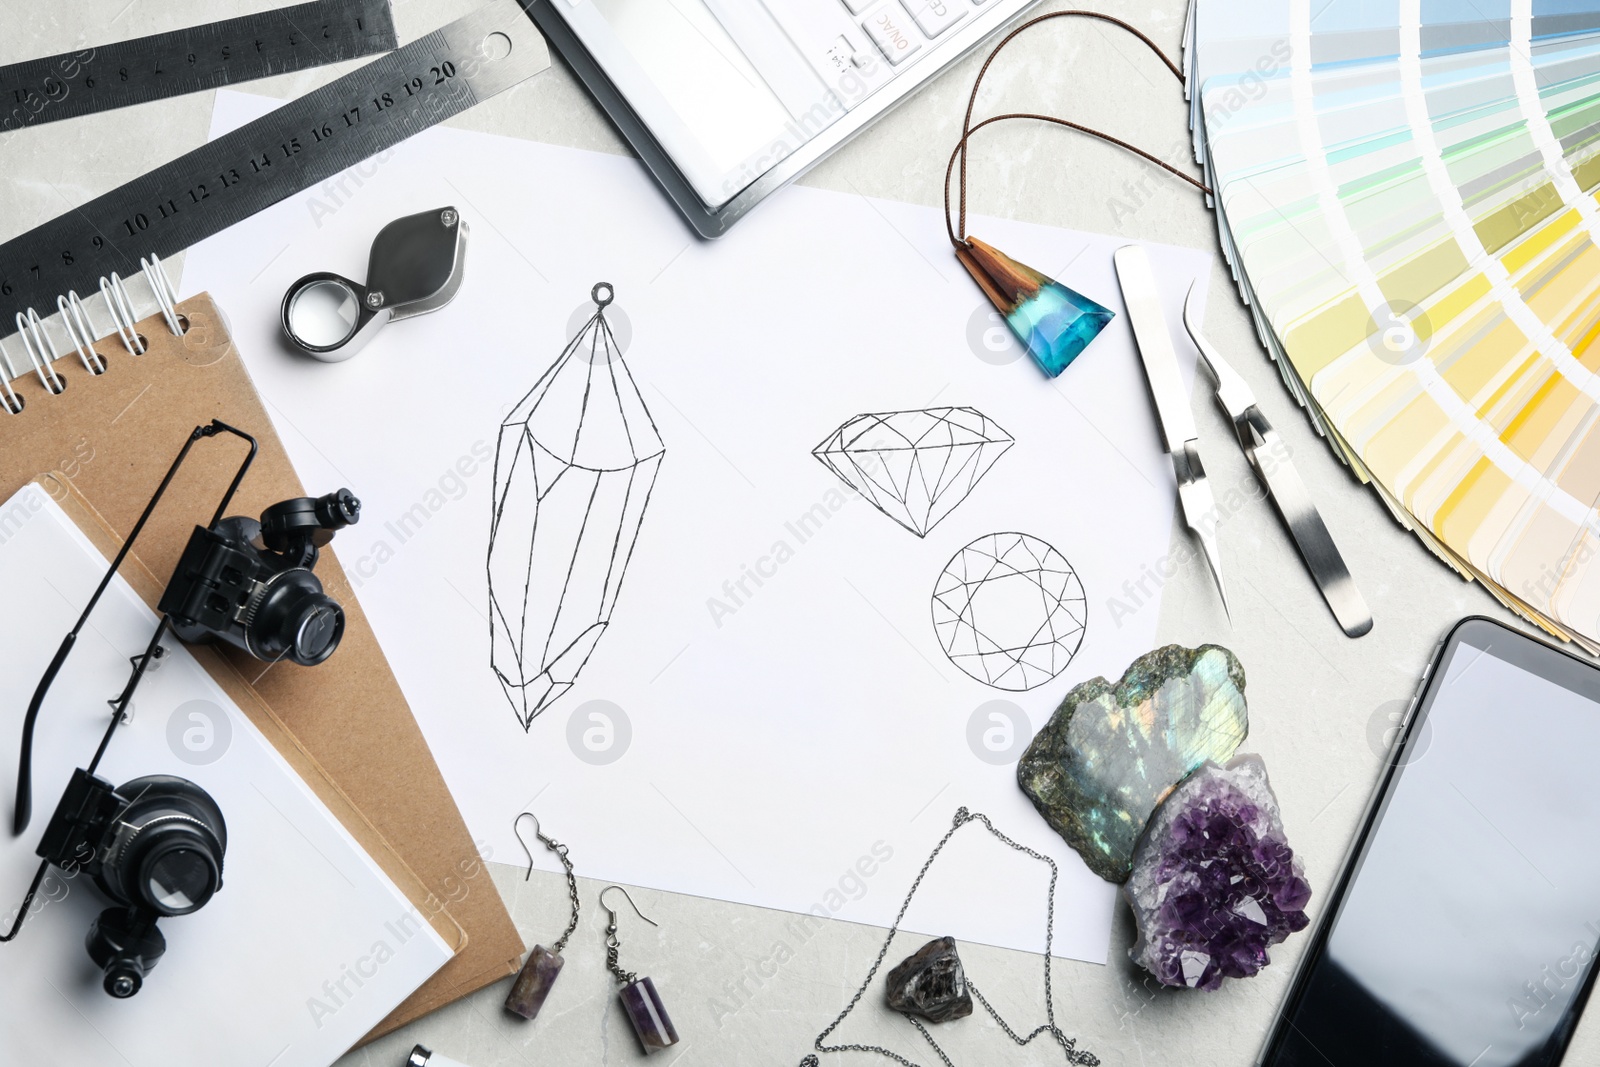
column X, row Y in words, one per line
column 1467, row 932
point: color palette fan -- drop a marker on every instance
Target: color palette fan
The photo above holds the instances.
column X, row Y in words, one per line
column 1406, row 193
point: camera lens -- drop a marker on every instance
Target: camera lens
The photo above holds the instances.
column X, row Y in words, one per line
column 178, row 879
column 321, row 625
column 294, row 619
column 338, row 509
column 166, row 850
column 125, row 944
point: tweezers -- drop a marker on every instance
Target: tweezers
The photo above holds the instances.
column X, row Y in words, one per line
column 1269, row 458
column 1266, row 451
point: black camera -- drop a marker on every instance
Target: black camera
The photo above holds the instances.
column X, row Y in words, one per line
column 250, row 584
column 154, row 846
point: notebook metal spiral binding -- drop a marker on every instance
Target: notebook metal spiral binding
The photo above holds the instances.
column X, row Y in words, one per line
column 121, row 313
column 36, row 342
column 161, row 285
column 82, row 333
column 80, row 328
column 12, row 402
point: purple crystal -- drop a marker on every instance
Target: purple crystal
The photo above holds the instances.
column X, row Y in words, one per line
column 1214, row 882
column 648, row 1015
column 533, row 982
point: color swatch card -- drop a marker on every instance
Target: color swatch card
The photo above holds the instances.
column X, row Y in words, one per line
column 1406, row 194
column 306, row 945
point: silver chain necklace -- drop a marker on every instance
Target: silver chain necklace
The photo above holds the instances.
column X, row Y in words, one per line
column 1068, row 1045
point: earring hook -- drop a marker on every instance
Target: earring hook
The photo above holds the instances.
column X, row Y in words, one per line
column 516, row 828
column 612, row 911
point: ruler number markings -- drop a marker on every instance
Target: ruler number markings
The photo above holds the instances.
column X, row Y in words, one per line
column 201, row 56
column 440, row 75
column 304, row 141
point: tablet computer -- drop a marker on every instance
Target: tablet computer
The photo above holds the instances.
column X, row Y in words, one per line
column 1462, row 931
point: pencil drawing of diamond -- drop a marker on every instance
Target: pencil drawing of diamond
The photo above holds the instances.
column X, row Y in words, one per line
column 1009, row 611
column 915, row 466
column 574, row 467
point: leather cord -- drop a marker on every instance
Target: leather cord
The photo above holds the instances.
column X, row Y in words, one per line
column 958, row 231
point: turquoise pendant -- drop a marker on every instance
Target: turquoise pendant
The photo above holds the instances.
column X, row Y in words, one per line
column 1053, row 322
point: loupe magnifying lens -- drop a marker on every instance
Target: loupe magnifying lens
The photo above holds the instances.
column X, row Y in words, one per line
column 322, row 313
column 414, row 268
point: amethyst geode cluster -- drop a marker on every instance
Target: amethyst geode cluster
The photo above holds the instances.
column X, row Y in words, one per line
column 1214, row 882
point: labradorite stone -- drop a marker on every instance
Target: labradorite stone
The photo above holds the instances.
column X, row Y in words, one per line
column 1111, row 753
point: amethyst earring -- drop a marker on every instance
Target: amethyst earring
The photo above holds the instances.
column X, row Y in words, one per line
column 543, row 966
column 639, row 997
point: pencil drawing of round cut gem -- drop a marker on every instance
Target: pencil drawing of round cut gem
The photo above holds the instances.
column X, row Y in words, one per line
column 1009, row 611
column 915, row 466
column 574, row 467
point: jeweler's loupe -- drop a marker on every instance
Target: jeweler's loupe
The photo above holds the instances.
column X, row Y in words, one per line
column 415, row 267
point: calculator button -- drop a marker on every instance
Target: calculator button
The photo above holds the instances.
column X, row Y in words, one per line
column 936, row 16
column 857, row 6
column 844, row 57
column 891, row 30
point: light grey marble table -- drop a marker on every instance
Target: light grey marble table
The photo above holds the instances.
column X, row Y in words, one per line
column 1318, row 700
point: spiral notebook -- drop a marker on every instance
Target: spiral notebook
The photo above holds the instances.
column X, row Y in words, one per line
column 112, row 435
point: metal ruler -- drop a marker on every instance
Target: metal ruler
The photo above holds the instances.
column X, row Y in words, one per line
column 110, row 76
column 295, row 147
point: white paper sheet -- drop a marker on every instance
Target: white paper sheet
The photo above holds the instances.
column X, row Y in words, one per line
column 798, row 743
column 306, row 946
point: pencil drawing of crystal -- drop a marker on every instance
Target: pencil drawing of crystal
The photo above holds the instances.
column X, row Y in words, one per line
column 1009, row 611
column 574, row 466
column 914, row 466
